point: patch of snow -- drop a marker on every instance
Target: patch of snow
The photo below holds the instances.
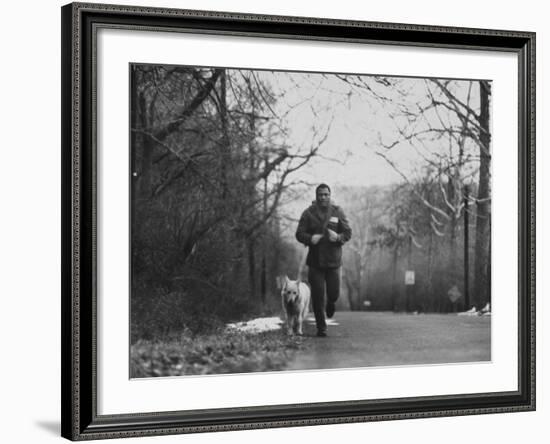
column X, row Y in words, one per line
column 471, row 312
column 485, row 311
column 257, row 325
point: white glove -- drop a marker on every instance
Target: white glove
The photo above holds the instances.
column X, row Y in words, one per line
column 332, row 236
column 316, row 238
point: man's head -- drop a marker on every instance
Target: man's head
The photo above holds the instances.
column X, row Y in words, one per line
column 322, row 195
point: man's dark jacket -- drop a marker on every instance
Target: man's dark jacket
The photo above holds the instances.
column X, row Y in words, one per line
column 314, row 220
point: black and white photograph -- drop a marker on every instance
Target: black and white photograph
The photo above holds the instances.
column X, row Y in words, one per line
column 275, row 222
column 297, row 221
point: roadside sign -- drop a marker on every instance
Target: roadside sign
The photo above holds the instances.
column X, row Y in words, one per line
column 409, row 277
column 454, row 294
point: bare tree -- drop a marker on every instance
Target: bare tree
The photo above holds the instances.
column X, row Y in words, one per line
column 445, row 113
column 211, row 163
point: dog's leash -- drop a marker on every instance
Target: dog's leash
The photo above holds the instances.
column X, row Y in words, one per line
column 302, row 263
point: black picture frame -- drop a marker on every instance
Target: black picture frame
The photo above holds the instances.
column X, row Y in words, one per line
column 80, row 420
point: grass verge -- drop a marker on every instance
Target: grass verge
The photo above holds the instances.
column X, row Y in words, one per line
column 225, row 352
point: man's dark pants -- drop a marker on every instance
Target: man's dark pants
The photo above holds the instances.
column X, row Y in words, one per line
column 318, row 277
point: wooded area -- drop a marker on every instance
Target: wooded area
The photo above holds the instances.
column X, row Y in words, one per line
column 217, row 176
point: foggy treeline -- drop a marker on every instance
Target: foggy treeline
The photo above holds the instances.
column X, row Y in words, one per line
column 395, row 232
column 215, row 168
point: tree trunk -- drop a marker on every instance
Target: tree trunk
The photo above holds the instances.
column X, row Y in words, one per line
column 429, row 284
column 451, row 193
column 466, row 251
column 483, row 208
column 349, row 287
column 252, row 268
column 224, row 145
column 263, row 279
column 145, row 174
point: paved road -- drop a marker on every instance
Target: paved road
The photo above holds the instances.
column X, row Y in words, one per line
column 362, row 339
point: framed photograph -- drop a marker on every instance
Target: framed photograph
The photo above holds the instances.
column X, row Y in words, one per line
column 278, row 221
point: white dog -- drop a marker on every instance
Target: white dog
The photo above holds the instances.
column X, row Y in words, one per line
column 295, row 297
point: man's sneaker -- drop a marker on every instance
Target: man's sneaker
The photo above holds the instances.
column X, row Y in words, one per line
column 322, row 334
column 330, row 309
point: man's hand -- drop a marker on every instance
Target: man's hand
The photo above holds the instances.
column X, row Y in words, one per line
column 316, row 238
column 332, row 236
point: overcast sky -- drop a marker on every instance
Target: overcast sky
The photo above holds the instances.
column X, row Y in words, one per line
column 357, row 125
